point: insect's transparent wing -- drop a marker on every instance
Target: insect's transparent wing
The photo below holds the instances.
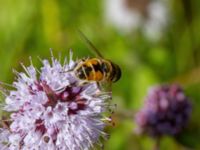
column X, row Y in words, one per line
column 90, row 45
column 105, row 86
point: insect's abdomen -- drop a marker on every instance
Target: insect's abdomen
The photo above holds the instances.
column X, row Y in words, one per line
column 90, row 70
column 95, row 69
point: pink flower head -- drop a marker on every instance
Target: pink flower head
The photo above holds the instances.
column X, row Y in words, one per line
column 166, row 111
column 51, row 110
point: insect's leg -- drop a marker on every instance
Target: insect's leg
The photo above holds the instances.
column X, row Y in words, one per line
column 99, row 85
column 82, row 83
column 5, row 123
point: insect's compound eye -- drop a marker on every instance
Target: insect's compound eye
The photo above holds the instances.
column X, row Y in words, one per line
column 116, row 73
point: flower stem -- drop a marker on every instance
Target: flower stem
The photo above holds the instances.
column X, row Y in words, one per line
column 157, row 144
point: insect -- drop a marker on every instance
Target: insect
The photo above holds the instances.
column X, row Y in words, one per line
column 96, row 69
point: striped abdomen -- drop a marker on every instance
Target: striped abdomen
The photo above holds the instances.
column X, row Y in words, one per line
column 95, row 69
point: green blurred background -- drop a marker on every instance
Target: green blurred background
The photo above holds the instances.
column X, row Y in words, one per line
column 30, row 28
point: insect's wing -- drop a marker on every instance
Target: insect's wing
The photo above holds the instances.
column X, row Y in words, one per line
column 105, row 86
column 90, row 45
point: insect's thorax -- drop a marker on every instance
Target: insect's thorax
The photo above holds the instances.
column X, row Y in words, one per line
column 93, row 69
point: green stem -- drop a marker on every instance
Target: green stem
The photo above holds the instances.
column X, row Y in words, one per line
column 157, row 144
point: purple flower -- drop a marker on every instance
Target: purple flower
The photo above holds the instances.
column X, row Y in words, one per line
column 166, row 111
column 51, row 110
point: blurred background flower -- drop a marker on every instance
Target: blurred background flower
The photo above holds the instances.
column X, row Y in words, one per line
column 166, row 111
column 149, row 16
column 31, row 28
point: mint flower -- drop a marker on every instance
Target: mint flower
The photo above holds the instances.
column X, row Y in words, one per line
column 51, row 110
column 166, row 111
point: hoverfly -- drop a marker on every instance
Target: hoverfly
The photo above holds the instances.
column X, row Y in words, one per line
column 96, row 69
